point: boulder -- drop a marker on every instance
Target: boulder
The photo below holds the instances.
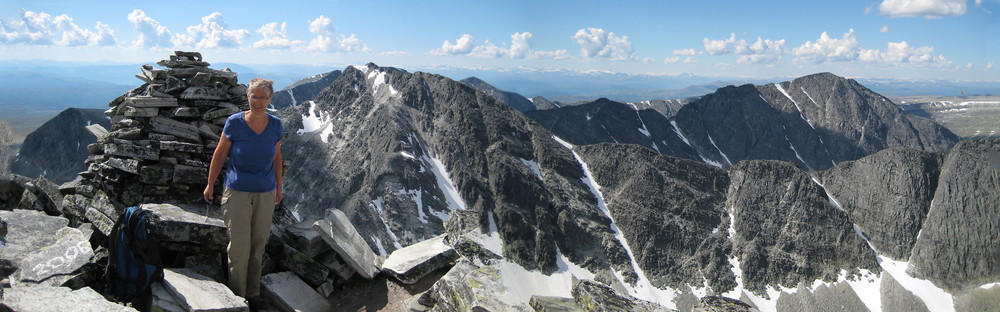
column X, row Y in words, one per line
column 290, row 293
column 58, row 299
column 67, row 255
column 188, row 224
column 195, row 292
column 24, row 236
column 337, row 231
column 10, row 193
column 163, row 301
column 722, row 304
column 468, row 287
column 100, row 221
column 598, row 297
column 554, row 304
column 410, row 264
column 305, row 239
column 310, row 270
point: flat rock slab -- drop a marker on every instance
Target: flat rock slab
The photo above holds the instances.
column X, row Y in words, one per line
column 337, row 230
column 554, row 304
column 195, row 292
column 69, row 254
column 23, row 228
column 58, row 299
column 290, row 293
column 188, row 224
column 163, row 301
column 410, row 264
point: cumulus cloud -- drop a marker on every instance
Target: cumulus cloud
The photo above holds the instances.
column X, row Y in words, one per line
column 690, row 60
column 393, row 53
column 151, row 33
column 275, row 37
column 884, row 29
column 212, row 33
column 827, row 49
column 520, row 48
column 922, row 8
column 685, row 52
column 902, row 52
column 989, row 66
column 595, row 43
column 672, row 60
column 352, row 44
column 719, row 47
column 761, row 51
column 43, row 29
column 327, row 41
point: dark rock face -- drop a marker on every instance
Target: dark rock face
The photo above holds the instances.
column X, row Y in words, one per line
column 6, row 138
column 609, row 121
column 517, row 101
column 543, row 103
column 667, row 108
column 887, row 195
column 957, row 246
column 303, row 90
column 398, row 152
column 786, row 229
column 835, row 297
column 58, row 148
column 669, row 209
column 895, row 298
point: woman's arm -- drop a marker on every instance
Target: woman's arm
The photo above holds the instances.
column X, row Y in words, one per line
column 277, row 173
column 221, row 152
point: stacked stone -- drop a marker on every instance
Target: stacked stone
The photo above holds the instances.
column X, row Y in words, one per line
column 164, row 132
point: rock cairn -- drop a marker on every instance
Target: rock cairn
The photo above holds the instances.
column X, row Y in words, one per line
column 163, row 133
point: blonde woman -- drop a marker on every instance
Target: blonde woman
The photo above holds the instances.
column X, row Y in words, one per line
column 252, row 141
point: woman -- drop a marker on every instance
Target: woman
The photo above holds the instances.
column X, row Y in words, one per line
column 252, row 141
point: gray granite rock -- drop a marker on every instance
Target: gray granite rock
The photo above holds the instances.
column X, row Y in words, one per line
column 311, row 271
column 188, row 224
column 957, row 246
column 204, row 93
column 836, row 297
column 290, row 293
column 593, row 296
column 131, row 151
column 175, row 128
column 58, row 299
column 198, row 293
column 337, row 230
column 467, row 287
column 67, row 255
column 722, row 304
column 145, row 102
column 305, row 239
column 895, row 298
column 411, row 263
column 24, row 236
column 554, row 304
column 163, row 300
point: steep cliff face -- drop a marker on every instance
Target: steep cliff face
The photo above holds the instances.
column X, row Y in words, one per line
column 887, row 195
column 669, row 209
column 517, row 101
column 785, row 230
column 58, row 148
column 957, row 246
column 303, row 91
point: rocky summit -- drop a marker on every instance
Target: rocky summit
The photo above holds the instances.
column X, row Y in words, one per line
column 412, row 191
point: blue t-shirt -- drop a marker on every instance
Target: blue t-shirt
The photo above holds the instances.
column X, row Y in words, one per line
column 251, row 157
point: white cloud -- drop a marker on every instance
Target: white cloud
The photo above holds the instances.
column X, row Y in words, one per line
column 989, row 66
column 393, row 53
column 685, row 52
column 352, row 44
column 827, row 49
column 672, row 60
column 690, row 60
column 922, row 8
column 519, row 46
column 552, row 55
column 43, row 29
column 595, row 43
column 884, row 29
column 275, row 37
column 324, row 41
column 761, row 51
column 902, row 52
column 719, row 47
column 466, row 45
column 151, row 33
column 212, row 33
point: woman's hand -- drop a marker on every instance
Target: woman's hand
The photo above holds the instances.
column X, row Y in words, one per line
column 277, row 196
column 209, row 193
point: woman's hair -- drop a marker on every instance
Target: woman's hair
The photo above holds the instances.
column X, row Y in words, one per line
column 261, row 84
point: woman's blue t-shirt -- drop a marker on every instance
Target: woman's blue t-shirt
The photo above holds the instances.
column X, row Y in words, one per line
column 251, row 157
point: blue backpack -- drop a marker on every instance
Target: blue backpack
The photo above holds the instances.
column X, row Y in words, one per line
column 133, row 256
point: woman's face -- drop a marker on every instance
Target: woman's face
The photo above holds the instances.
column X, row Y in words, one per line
column 258, row 100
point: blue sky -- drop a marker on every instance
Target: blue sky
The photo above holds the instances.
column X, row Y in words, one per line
column 921, row 39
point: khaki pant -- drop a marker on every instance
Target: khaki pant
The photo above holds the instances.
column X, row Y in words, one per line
column 248, row 223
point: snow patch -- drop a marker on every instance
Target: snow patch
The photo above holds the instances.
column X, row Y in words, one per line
column 720, row 150
column 378, row 243
column 934, row 297
column 521, row 284
column 644, row 130
column 417, row 197
column 381, row 78
column 447, row 187
column 533, row 166
column 678, row 131
column 292, row 95
column 810, row 97
column 797, row 153
column 990, row 285
column 362, row 68
column 407, row 155
column 564, row 143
